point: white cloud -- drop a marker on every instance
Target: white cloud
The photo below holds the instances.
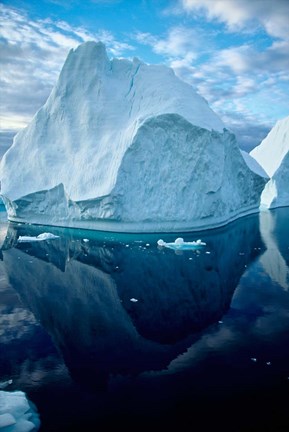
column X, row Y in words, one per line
column 232, row 12
column 179, row 42
column 237, row 14
column 183, row 43
column 234, row 58
column 244, row 85
column 13, row 123
column 248, row 59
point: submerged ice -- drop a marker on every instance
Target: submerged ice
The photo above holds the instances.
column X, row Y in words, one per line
column 124, row 146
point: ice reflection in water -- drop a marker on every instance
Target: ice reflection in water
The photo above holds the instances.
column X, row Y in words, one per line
column 272, row 260
column 79, row 288
column 80, row 293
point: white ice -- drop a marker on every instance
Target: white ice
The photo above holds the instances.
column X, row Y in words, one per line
column 273, row 155
column 180, row 244
column 17, row 414
column 40, row 237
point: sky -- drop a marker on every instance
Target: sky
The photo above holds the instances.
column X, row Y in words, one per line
column 235, row 53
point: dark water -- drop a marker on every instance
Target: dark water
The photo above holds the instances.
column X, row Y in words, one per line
column 93, row 360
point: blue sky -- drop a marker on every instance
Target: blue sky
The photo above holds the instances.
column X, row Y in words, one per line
column 235, row 53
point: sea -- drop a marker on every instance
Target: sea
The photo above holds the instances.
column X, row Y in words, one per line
column 107, row 332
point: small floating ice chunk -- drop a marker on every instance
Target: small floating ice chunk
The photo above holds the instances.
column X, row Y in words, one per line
column 46, row 236
column 253, row 359
column 85, row 240
column 220, row 322
column 268, row 363
column 180, row 244
column 17, row 413
column 40, row 237
column 179, row 241
column 134, row 300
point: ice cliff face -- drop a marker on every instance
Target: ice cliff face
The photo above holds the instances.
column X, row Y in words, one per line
column 273, row 155
column 121, row 145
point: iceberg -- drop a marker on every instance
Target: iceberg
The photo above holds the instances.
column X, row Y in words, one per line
column 17, row 413
column 124, row 146
column 180, row 244
column 273, row 155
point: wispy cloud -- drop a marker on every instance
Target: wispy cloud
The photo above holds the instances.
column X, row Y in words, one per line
column 180, row 42
column 239, row 14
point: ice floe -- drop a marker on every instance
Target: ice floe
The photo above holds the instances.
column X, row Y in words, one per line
column 17, row 413
column 40, row 237
column 180, row 244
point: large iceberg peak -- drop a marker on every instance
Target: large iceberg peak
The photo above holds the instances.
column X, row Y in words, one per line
column 126, row 146
column 89, row 54
column 84, row 63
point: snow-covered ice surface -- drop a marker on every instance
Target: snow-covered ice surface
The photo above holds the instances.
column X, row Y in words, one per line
column 124, row 146
column 17, row 414
column 273, row 155
column 180, row 244
column 40, row 237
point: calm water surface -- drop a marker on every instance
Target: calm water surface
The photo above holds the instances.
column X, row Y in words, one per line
column 206, row 344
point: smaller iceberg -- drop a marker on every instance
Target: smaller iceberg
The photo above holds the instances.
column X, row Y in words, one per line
column 180, row 244
column 17, row 413
column 40, row 237
column 273, row 155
